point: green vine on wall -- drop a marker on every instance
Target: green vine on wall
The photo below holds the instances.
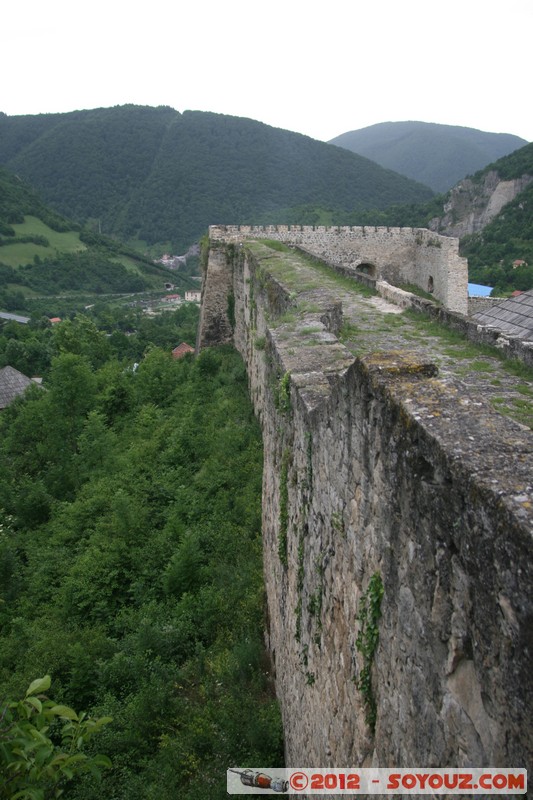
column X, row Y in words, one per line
column 307, row 485
column 284, row 507
column 366, row 643
column 204, row 251
column 283, row 396
column 231, row 309
column 300, row 585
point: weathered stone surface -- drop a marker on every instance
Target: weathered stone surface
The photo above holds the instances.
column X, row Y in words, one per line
column 377, row 464
column 214, row 327
column 397, row 255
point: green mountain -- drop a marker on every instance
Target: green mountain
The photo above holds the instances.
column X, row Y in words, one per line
column 18, row 198
column 436, row 155
column 42, row 253
column 160, row 176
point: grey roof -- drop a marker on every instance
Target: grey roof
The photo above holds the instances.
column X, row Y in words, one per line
column 513, row 316
column 12, row 384
column 14, row 317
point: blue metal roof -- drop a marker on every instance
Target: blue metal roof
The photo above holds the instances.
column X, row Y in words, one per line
column 478, row 290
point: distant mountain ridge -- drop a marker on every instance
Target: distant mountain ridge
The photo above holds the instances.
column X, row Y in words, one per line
column 436, row 155
column 157, row 175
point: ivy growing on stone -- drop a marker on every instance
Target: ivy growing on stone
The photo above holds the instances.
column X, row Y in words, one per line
column 284, row 393
column 368, row 616
column 231, row 309
column 309, row 455
column 300, row 586
column 284, row 507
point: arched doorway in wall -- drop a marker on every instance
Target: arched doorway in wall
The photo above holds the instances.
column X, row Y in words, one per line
column 431, row 284
column 367, row 269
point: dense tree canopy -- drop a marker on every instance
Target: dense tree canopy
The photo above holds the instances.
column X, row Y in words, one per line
column 161, row 176
column 126, row 333
column 130, row 561
column 508, row 238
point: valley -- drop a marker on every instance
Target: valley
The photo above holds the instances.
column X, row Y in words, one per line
column 187, row 539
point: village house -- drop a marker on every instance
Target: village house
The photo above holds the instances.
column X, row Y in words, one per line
column 13, row 384
column 513, row 316
column 193, row 296
column 13, row 318
column 182, row 350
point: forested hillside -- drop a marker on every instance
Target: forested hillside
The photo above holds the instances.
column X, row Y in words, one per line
column 17, row 199
column 43, row 253
column 492, row 251
column 514, row 165
column 122, row 331
column 156, row 175
column 437, row 155
column 130, row 559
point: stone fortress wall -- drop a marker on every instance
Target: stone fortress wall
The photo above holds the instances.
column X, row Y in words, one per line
column 374, row 466
column 397, row 255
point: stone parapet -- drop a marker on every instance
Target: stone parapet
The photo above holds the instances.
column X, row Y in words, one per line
column 398, row 255
column 373, row 466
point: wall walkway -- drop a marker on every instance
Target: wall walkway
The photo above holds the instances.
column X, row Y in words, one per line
column 385, row 455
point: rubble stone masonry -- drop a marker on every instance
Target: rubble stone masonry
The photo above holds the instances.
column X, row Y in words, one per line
column 372, row 465
column 397, row 255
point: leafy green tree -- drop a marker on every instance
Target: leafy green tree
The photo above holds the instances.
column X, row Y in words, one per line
column 71, row 394
column 157, row 376
column 136, row 578
column 82, row 337
column 96, row 446
column 15, row 355
column 42, row 746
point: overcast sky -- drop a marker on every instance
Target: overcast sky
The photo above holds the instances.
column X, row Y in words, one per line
column 319, row 69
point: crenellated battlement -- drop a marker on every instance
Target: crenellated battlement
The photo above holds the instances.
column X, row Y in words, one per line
column 398, row 255
column 224, row 231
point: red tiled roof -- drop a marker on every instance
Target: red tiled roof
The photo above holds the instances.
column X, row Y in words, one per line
column 182, row 350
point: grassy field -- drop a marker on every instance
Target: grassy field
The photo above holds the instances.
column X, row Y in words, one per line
column 14, row 255
column 130, row 264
